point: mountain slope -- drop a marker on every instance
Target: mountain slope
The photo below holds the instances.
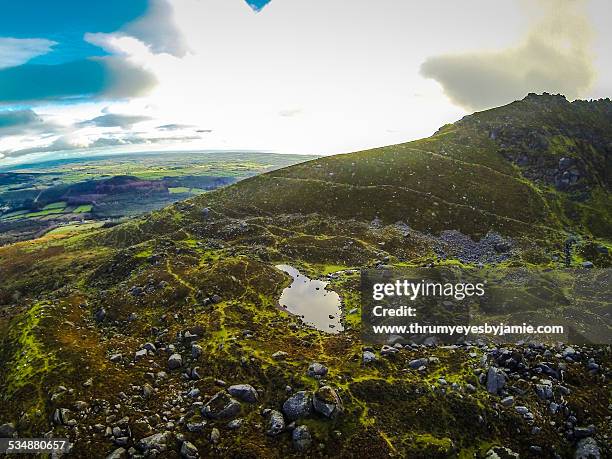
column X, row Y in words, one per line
column 75, row 311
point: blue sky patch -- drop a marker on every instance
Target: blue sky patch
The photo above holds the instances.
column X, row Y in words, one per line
column 66, row 22
column 257, row 5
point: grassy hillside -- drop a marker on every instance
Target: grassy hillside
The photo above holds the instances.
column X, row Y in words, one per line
column 503, row 188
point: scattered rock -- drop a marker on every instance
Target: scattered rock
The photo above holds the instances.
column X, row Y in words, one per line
column 297, row 406
column 501, row 452
column 587, row 448
column 276, row 423
column 221, row 406
column 301, row 438
column 215, row 435
column 368, row 357
column 156, row 441
column 279, row 355
column 189, row 451
column 496, row 380
column 235, row 424
column 7, row 430
column 119, row 453
column 140, row 354
column 418, row 363
column 327, row 402
column 244, row 392
column 317, row 370
column 196, row 351
column 175, row 361
column 100, row 315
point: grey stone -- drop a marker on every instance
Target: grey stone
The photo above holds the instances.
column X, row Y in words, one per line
column 276, row 423
column 302, row 440
column 368, row 357
column 189, row 451
column 215, row 435
column 235, row 424
column 119, row 453
column 297, row 406
column 156, row 441
column 100, row 315
column 244, row 392
column 316, row 370
column 327, row 402
column 196, row 351
column 196, row 426
column 175, row 361
column 140, row 354
column 417, row 363
column 508, row 401
column 496, row 380
column 501, row 452
column 7, row 430
column 544, row 391
column 587, row 448
column 221, row 406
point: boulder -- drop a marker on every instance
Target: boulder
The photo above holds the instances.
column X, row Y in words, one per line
column 175, row 361
column 156, row 441
column 189, row 451
column 196, row 351
column 327, row 402
column 244, row 392
column 368, row 357
column 221, row 406
column 418, row 363
column 316, row 370
column 587, row 448
column 496, row 380
column 297, row 406
column 276, row 423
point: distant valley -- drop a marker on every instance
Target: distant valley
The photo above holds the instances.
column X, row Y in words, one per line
column 74, row 194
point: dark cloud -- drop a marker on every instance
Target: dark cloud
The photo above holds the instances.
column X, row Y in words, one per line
column 554, row 57
column 13, row 118
column 114, row 120
column 17, row 122
column 112, row 77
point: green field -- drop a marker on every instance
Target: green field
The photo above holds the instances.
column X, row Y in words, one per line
column 82, row 209
column 55, row 205
column 44, row 213
column 73, row 228
column 179, row 189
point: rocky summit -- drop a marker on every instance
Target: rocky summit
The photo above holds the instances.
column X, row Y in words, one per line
column 163, row 336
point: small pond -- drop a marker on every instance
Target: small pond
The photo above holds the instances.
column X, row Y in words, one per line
column 309, row 299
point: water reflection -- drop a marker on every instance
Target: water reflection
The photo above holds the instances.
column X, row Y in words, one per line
column 309, row 299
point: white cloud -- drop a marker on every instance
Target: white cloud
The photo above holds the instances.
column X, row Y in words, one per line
column 323, row 76
column 17, row 51
column 555, row 57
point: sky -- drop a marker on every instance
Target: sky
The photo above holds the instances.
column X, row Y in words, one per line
column 290, row 76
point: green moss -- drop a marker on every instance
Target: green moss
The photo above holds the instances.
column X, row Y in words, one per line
column 31, row 362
